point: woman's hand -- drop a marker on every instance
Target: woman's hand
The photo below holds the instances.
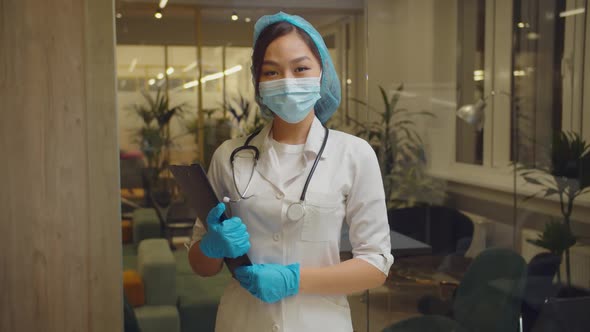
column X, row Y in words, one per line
column 224, row 238
column 269, row 282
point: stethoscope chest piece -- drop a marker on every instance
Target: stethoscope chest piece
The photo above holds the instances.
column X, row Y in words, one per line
column 296, row 211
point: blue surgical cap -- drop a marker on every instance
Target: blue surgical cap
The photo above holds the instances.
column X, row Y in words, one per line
column 330, row 84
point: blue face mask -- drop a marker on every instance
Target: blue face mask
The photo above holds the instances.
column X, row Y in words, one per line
column 291, row 98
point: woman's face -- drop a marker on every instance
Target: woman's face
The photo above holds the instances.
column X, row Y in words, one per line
column 289, row 57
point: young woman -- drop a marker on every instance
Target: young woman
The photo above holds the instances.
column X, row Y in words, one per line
column 290, row 203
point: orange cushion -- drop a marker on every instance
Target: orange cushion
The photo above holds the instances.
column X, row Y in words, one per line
column 133, row 287
column 132, row 193
column 127, row 231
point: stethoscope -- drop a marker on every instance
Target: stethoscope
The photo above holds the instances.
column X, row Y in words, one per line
column 296, row 210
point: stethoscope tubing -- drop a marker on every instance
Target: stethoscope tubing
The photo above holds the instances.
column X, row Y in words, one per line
column 247, row 146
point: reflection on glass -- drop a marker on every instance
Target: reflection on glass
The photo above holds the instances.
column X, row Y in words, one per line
column 538, row 60
column 470, row 77
column 442, row 252
column 550, row 43
column 539, row 40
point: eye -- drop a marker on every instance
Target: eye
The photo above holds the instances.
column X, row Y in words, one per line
column 269, row 73
column 301, row 69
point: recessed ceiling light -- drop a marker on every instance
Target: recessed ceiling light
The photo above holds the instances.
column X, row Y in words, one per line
column 247, row 19
column 158, row 14
column 234, row 16
column 119, row 15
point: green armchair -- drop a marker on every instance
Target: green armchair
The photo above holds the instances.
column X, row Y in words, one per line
column 488, row 299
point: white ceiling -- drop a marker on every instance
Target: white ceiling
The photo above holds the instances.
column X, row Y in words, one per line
column 224, row 15
column 318, row 12
column 138, row 26
column 275, row 4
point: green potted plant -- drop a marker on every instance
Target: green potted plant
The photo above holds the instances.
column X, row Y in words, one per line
column 153, row 137
column 246, row 113
column 217, row 129
column 209, row 133
column 401, row 154
column 566, row 176
column 555, row 238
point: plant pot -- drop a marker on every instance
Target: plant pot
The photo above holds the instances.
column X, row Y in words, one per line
column 216, row 132
column 409, row 221
column 566, row 312
column 565, row 292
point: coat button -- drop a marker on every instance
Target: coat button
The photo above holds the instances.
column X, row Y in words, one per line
column 276, row 328
column 276, row 236
column 280, row 195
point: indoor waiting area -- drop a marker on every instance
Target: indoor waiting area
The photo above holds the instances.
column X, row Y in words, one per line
column 309, row 165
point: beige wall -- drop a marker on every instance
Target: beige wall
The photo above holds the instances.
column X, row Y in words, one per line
column 413, row 42
column 181, row 31
column 60, row 238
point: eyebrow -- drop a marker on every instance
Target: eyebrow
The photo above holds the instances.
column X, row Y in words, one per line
column 299, row 59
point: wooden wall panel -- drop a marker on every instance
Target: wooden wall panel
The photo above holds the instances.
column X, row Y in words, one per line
column 60, row 247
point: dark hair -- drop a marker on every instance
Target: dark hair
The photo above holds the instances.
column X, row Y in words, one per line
column 267, row 36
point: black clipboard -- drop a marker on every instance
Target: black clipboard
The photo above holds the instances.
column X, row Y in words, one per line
column 201, row 196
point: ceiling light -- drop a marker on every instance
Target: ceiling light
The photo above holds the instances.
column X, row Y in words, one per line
column 533, row 36
column 158, row 14
column 519, row 73
column 473, row 114
column 234, row 16
column 214, row 76
column 160, row 76
column 152, row 81
column 119, row 15
column 170, row 71
column 132, row 65
column 190, row 67
column 247, row 19
column 520, row 25
column 233, row 70
column 478, row 75
column 572, row 12
column 190, row 84
column 349, row 81
column 163, row 3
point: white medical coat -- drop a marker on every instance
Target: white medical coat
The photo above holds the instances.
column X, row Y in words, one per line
column 346, row 187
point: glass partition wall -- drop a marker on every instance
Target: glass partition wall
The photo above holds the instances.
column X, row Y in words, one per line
column 192, row 66
column 487, row 106
column 497, row 192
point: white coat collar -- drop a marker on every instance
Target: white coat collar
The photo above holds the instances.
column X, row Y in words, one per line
column 268, row 163
column 315, row 138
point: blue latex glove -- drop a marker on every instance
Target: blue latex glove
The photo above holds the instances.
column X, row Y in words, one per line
column 227, row 238
column 269, row 282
